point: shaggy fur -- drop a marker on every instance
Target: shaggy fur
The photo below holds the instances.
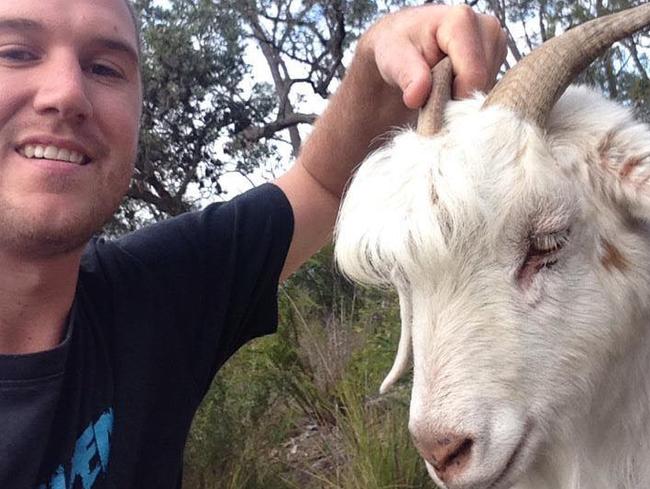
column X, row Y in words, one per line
column 541, row 358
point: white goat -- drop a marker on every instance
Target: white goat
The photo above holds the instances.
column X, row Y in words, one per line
column 518, row 239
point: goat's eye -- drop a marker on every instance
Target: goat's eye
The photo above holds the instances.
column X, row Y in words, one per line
column 542, row 253
column 548, row 243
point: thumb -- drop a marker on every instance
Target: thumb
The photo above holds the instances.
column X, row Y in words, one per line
column 409, row 71
column 417, row 90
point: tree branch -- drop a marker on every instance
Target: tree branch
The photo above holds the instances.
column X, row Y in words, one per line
column 499, row 12
column 266, row 131
column 631, row 46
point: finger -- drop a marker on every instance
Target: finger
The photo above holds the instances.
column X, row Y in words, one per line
column 417, row 91
column 495, row 46
column 460, row 37
column 408, row 70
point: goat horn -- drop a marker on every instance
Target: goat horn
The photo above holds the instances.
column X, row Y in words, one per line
column 431, row 115
column 533, row 86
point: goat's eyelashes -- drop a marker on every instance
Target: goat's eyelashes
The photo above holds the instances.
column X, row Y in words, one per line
column 548, row 243
column 542, row 252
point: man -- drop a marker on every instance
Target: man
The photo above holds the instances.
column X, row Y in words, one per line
column 106, row 348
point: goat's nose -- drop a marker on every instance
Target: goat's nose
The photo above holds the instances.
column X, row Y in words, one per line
column 448, row 453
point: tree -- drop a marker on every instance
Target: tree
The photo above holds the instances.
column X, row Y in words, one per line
column 192, row 69
column 204, row 112
column 622, row 72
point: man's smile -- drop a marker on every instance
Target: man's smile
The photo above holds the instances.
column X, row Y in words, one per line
column 55, row 149
column 52, row 153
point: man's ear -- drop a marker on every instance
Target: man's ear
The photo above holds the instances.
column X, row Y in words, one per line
column 621, row 167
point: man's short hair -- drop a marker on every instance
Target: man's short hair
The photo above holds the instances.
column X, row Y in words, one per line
column 136, row 24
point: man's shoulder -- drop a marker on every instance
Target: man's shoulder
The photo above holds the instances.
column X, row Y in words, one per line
column 256, row 222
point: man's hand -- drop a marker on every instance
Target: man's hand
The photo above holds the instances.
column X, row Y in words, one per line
column 406, row 45
column 388, row 77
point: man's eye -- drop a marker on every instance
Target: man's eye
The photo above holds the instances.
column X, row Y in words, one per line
column 18, row 55
column 105, row 70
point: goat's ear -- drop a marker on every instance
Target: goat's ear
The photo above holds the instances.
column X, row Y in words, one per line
column 622, row 168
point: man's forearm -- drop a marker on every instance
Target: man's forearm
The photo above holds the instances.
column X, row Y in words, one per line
column 352, row 124
column 348, row 129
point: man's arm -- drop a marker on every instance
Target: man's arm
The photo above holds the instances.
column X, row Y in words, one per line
column 388, row 77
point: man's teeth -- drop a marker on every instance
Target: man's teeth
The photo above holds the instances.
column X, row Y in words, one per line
column 52, row 153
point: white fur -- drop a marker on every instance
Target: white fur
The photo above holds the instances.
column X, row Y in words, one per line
column 560, row 360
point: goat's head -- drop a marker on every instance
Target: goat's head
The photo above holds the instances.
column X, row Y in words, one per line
column 517, row 239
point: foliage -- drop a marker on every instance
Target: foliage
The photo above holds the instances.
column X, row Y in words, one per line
column 300, row 409
column 205, row 114
column 379, row 452
column 622, row 72
column 238, row 426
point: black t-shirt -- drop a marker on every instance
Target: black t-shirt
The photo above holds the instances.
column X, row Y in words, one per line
column 155, row 316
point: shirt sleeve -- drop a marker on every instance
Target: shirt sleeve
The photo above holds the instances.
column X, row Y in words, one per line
column 213, row 275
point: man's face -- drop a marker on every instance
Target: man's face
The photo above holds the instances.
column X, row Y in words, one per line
column 70, row 99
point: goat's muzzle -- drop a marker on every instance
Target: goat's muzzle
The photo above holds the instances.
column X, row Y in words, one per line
column 448, row 453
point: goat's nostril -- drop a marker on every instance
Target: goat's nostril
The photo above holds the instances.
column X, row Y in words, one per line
column 449, row 454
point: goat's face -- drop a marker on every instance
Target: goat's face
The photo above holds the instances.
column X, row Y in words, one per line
column 521, row 263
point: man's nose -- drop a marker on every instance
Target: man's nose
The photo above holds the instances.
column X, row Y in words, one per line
column 63, row 91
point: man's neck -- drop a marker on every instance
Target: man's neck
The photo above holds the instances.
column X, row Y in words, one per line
column 36, row 296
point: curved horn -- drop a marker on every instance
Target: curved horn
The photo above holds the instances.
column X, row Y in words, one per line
column 431, row 115
column 533, row 86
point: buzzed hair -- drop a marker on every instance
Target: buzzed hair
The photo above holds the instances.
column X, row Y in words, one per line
column 136, row 25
